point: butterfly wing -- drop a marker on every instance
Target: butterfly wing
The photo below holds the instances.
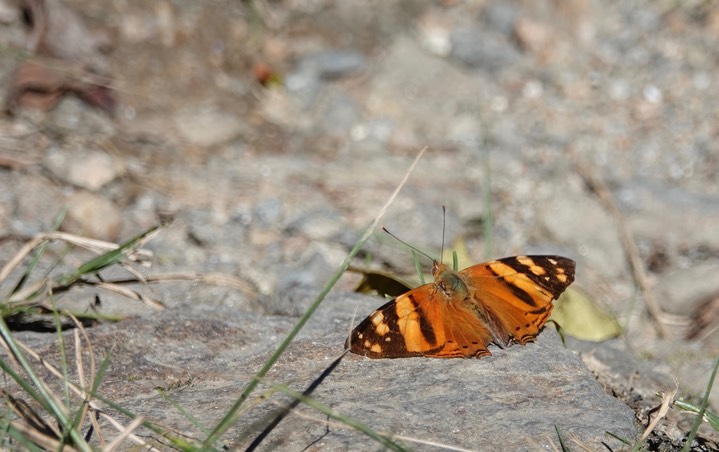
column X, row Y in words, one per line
column 409, row 325
column 513, row 296
column 508, row 301
column 422, row 322
column 466, row 335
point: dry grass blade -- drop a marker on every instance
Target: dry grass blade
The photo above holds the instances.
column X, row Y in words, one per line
column 14, row 163
column 101, row 246
column 22, row 297
column 124, row 434
column 218, row 279
column 113, row 285
column 409, row 439
column 96, row 426
column 630, row 247
column 130, row 435
column 80, row 392
column 40, row 439
column 96, row 246
column 131, row 294
column 79, row 364
column 22, row 253
column 78, row 356
column 30, row 417
column 661, row 412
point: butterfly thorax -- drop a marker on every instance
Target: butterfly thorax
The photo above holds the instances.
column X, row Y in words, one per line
column 449, row 282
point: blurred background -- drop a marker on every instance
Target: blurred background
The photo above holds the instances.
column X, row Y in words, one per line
column 273, row 132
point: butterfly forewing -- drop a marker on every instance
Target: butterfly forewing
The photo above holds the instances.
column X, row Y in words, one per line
column 409, row 325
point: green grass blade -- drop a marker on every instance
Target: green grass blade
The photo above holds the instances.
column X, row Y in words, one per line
column 63, row 355
column 618, row 438
column 109, row 258
column 229, row 418
column 75, row 420
column 561, row 439
column 27, row 387
column 287, row 410
column 100, row 374
column 702, row 409
column 17, row 435
column 45, row 397
column 93, row 390
column 711, row 417
column 455, row 261
column 360, row 427
column 193, row 420
column 178, row 443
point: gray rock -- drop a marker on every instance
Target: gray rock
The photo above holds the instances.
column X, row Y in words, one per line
column 268, row 212
column 680, row 291
column 208, row 125
column 338, row 112
column 332, row 64
column 304, row 87
column 83, row 168
column 632, row 380
column 305, row 82
column 198, row 353
column 32, row 203
column 483, row 50
column 593, row 233
column 295, row 282
column 92, row 216
column 321, row 223
column 693, row 219
column 501, row 15
column 203, row 227
column 72, row 114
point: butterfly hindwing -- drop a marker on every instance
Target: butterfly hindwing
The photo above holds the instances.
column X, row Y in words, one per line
column 466, row 334
column 517, row 292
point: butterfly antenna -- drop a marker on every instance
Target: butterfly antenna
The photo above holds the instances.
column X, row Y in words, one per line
column 408, row 245
column 444, row 224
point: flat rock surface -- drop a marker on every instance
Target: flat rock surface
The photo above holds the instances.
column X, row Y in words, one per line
column 424, row 404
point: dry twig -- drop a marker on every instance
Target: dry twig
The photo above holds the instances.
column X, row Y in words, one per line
column 630, row 246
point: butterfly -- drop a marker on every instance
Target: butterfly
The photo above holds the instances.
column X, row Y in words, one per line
column 501, row 302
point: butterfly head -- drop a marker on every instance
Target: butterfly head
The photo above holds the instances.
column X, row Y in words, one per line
column 448, row 281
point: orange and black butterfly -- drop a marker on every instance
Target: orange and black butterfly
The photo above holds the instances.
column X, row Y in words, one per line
column 502, row 302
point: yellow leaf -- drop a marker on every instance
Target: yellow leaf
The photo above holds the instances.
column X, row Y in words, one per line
column 580, row 317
